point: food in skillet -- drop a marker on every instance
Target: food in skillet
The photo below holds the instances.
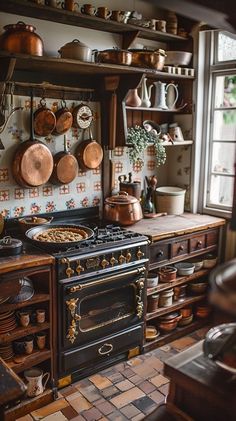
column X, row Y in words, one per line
column 61, row 235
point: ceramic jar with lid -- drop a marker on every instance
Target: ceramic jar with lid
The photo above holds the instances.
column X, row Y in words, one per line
column 152, row 303
column 152, row 279
column 21, row 38
column 166, row 298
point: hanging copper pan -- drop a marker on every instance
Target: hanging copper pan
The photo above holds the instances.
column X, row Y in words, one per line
column 89, row 153
column 64, row 120
column 44, row 120
column 33, row 162
column 65, row 167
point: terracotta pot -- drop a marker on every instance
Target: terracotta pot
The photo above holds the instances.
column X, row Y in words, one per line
column 122, row 208
column 167, row 273
column 21, row 38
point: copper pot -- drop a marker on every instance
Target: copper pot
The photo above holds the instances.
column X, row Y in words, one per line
column 21, row 38
column 148, row 58
column 122, row 208
column 114, row 56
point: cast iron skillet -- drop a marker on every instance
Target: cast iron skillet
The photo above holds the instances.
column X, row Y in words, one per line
column 52, row 246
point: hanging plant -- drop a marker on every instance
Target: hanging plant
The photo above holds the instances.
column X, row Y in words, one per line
column 139, row 139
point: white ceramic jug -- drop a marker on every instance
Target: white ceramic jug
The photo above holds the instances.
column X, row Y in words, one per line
column 35, row 377
column 145, row 94
column 161, row 91
column 172, row 95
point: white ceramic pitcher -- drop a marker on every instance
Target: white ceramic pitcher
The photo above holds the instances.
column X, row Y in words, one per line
column 161, row 91
column 35, row 377
column 145, row 94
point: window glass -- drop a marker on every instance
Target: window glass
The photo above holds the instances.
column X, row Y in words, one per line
column 224, row 125
column 223, row 157
column 221, row 191
column 226, row 47
column 225, row 91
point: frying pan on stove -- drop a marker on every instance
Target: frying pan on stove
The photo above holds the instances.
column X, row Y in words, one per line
column 86, row 233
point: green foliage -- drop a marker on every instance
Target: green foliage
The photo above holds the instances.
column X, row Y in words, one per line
column 140, row 139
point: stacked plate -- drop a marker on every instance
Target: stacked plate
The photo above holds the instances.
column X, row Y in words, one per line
column 7, row 321
column 6, row 351
column 4, row 299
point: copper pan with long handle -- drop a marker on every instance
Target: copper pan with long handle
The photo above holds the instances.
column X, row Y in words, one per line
column 89, row 153
column 33, row 162
column 44, row 120
column 65, row 167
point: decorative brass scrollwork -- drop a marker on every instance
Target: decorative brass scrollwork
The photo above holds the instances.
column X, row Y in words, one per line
column 72, row 331
column 139, row 254
column 139, row 302
column 69, row 270
column 79, row 268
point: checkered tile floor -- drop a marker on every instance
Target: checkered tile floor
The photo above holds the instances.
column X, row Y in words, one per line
column 127, row 391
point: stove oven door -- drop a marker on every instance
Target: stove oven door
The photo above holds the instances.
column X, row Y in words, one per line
column 91, row 309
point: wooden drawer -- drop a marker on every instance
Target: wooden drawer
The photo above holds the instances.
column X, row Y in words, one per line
column 159, row 252
column 197, row 242
column 212, row 238
column 179, row 248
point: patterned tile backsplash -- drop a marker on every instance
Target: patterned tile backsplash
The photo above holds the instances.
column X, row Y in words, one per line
column 86, row 189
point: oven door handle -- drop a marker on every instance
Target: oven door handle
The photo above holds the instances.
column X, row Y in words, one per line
column 101, row 281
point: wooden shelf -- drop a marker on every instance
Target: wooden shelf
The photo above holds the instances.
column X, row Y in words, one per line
column 36, row 357
column 176, row 306
column 163, row 286
column 182, row 143
column 27, row 405
column 37, row 298
column 19, row 332
column 159, row 110
column 175, row 334
column 129, row 32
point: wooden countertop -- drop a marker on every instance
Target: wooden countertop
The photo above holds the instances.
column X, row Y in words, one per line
column 173, row 225
column 31, row 257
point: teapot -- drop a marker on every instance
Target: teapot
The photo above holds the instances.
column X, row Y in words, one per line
column 145, row 94
column 161, row 93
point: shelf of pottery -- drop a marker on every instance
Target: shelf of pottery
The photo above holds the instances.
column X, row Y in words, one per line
column 25, row 334
column 177, row 300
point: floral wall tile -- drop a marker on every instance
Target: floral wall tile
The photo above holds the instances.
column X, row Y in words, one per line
column 34, row 192
column 65, row 189
column 47, row 191
column 19, row 193
column 4, row 175
column 18, row 211
column 97, row 186
column 85, row 202
column 80, row 187
column 50, row 207
column 4, row 195
column 70, row 204
column 34, row 208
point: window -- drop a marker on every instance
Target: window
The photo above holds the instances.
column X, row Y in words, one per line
column 220, row 128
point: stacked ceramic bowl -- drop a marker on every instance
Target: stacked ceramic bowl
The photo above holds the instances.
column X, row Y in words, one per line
column 187, row 316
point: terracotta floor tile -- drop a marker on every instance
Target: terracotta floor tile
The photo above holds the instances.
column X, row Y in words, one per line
column 110, row 392
column 100, row 382
column 145, row 404
column 25, row 418
column 116, row 377
column 136, row 380
column 49, row 409
column 127, row 397
column 147, row 387
column 73, row 396
column 145, row 371
column 78, row 418
column 164, row 389
column 159, row 380
column 125, row 385
column 100, row 400
column 106, row 408
column 128, row 372
column 92, row 414
column 80, row 404
column 182, row 343
column 138, row 417
column 135, row 361
column 157, row 397
column 130, row 411
column 57, row 416
column 91, row 393
column 155, row 363
column 68, row 390
column 117, row 416
column 69, row 412
column 120, row 367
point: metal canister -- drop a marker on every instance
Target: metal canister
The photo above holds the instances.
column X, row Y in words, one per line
column 133, row 188
column 152, row 303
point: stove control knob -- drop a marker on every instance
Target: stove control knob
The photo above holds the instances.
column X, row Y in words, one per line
column 139, row 254
column 104, row 262
column 122, row 259
column 69, row 270
column 79, row 268
column 113, row 260
column 128, row 256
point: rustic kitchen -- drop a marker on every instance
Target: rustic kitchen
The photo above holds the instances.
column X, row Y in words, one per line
column 117, row 212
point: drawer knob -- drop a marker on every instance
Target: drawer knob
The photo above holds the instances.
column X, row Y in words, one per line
column 160, row 253
column 105, row 349
column 199, row 243
column 181, row 248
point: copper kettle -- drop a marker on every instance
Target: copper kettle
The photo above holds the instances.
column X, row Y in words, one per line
column 122, row 208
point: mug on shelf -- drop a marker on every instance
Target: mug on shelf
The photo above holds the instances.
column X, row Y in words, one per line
column 69, row 5
column 161, row 25
column 40, row 315
column 88, row 9
column 41, row 340
column 103, row 12
column 117, row 15
column 53, row 3
column 24, row 318
column 35, row 377
column 24, row 345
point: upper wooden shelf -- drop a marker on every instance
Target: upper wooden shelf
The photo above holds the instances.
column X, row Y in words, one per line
column 128, row 31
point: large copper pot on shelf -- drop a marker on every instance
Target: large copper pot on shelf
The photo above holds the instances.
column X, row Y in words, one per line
column 154, row 59
column 21, row 38
column 123, row 209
